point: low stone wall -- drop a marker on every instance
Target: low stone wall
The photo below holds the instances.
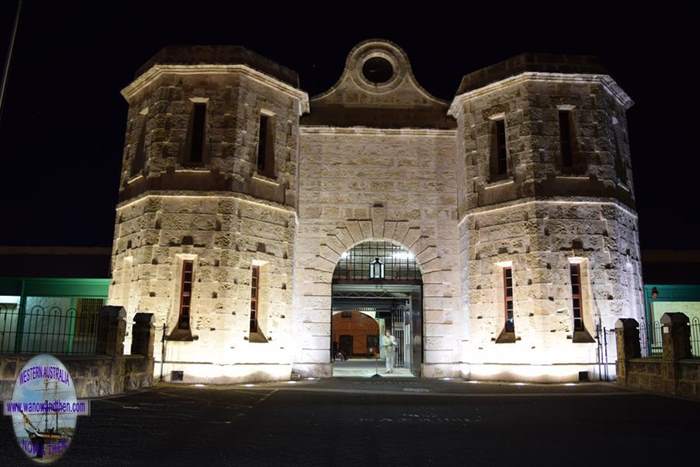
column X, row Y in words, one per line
column 675, row 372
column 109, row 372
column 689, row 378
column 93, row 376
column 644, row 374
column 648, row 374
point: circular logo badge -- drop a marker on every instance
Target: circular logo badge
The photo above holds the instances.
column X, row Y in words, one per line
column 44, row 409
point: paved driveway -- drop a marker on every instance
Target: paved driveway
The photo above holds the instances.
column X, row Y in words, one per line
column 379, row 423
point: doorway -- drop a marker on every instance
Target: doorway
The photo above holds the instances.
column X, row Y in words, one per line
column 345, row 347
column 377, row 287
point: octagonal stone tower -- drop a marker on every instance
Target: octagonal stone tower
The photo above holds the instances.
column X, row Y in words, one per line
column 207, row 214
column 548, row 229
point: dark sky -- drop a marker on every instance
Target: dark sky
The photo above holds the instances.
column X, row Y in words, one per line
column 62, row 128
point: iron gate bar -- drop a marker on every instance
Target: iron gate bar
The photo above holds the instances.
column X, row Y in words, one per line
column 49, row 329
column 660, row 293
column 695, row 336
column 396, row 296
column 399, row 264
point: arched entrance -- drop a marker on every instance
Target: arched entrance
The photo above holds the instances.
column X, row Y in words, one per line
column 377, row 285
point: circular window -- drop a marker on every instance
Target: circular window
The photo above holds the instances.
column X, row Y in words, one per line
column 377, row 70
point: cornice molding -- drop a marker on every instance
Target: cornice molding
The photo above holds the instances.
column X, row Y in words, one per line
column 366, row 131
column 608, row 84
column 485, row 210
column 153, row 73
column 186, row 194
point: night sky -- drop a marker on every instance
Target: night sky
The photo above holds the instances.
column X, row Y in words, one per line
column 62, row 128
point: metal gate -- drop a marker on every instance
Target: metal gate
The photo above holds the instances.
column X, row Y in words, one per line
column 401, row 329
column 605, row 348
column 401, row 308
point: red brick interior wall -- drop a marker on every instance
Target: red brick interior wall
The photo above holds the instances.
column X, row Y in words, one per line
column 359, row 326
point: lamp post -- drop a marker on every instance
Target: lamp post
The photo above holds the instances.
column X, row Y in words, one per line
column 376, row 363
column 8, row 59
column 651, row 337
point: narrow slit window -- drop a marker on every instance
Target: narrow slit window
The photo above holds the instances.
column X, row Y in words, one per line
column 566, row 139
column 620, row 169
column 266, row 146
column 139, row 161
column 197, row 133
column 508, row 299
column 576, row 297
column 499, row 150
column 186, row 283
column 254, row 299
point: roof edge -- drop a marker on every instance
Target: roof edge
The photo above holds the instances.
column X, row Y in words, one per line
column 607, row 83
column 531, row 62
column 219, row 55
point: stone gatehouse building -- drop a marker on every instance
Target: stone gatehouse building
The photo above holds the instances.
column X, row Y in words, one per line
column 495, row 234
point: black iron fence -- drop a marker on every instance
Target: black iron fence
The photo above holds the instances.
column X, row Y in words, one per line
column 695, row 336
column 651, row 339
column 49, row 328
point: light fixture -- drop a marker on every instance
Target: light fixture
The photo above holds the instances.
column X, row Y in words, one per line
column 376, row 269
column 654, row 293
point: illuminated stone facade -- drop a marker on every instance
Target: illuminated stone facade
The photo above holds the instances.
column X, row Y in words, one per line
column 375, row 157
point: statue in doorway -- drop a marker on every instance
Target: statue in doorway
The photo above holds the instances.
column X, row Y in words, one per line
column 389, row 344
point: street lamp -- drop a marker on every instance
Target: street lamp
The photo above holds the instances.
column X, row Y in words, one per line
column 654, row 296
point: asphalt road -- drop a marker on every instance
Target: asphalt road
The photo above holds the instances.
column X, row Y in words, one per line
column 381, row 423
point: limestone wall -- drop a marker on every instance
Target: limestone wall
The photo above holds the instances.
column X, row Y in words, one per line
column 234, row 102
column 377, row 184
column 224, row 236
column 541, row 218
column 378, row 159
column 539, row 240
column 530, row 106
column 676, row 371
column 93, row 376
column 220, row 213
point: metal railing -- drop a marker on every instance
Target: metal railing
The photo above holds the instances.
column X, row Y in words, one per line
column 601, row 338
column 48, row 329
column 695, row 336
column 650, row 335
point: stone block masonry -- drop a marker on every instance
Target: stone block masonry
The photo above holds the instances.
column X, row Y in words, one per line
column 676, row 372
column 266, row 179
column 107, row 372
